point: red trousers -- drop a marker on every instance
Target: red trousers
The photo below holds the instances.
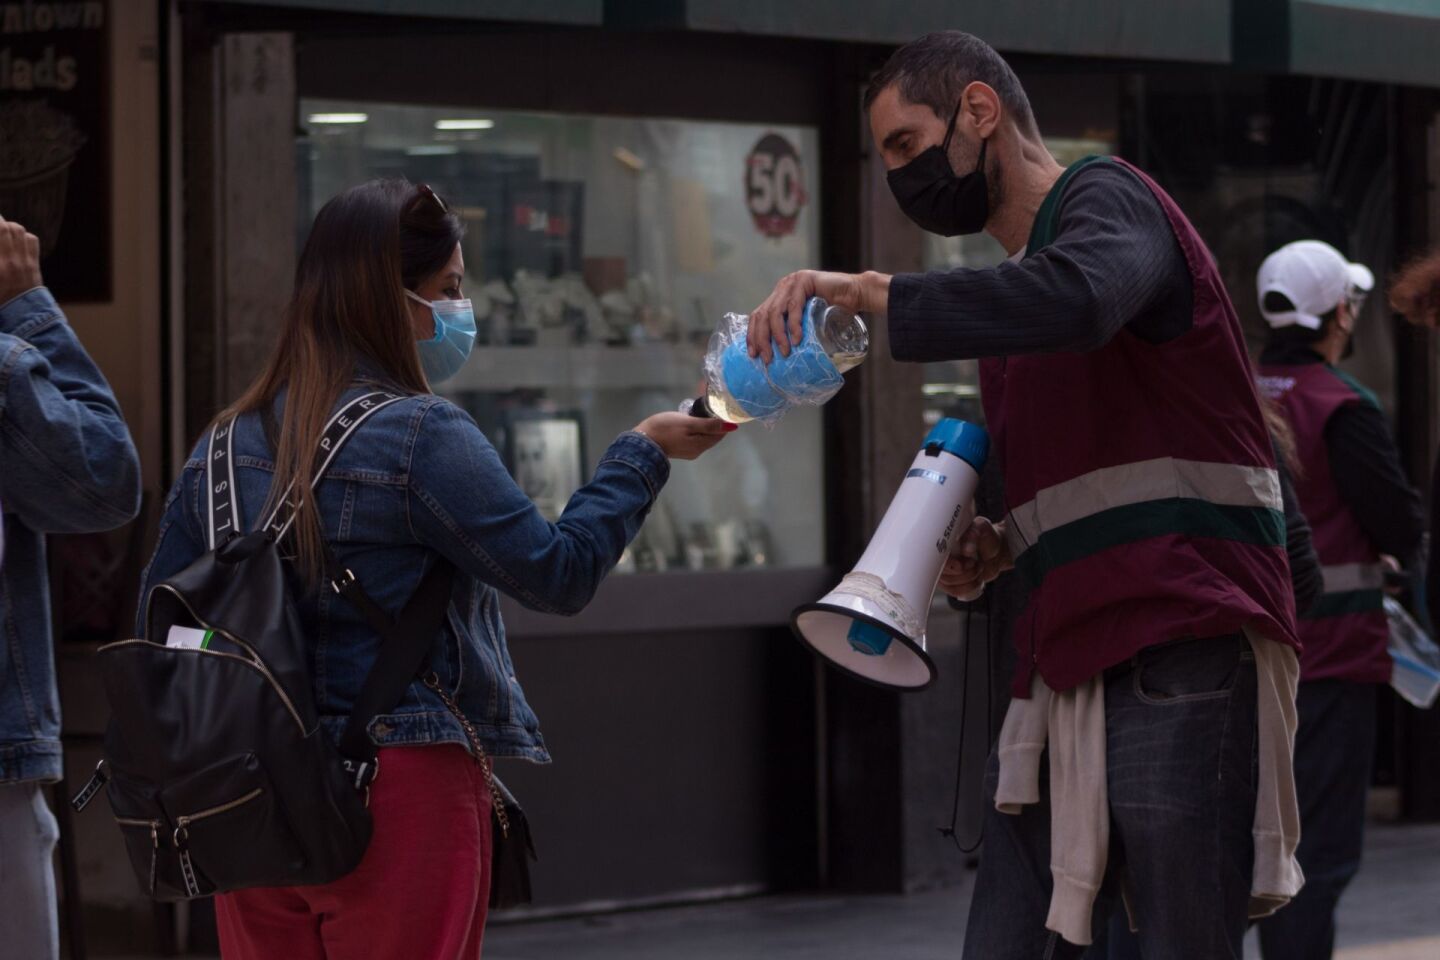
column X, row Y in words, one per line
column 420, row 892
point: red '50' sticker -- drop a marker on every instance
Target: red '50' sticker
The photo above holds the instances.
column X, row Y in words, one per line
column 774, row 186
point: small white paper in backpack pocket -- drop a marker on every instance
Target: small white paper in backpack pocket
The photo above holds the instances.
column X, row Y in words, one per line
column 189, row 638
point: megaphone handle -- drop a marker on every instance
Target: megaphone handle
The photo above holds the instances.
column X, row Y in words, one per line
column 960, row 603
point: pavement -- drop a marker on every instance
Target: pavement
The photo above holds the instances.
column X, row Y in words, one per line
column 1390, row 912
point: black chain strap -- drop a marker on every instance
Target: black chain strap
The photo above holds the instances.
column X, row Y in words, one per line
column 481, row 757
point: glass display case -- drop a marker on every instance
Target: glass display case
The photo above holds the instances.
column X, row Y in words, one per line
column 600, row 253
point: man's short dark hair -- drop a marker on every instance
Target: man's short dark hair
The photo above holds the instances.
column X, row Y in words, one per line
column 936, row 69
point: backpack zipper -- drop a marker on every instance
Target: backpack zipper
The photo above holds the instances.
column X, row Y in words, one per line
column 92, row 786
column 255, row 663
column 252, row 664
column 154, row 825
column 182, row 822
column 187, row 869
column 181, row 836
column 154, row 828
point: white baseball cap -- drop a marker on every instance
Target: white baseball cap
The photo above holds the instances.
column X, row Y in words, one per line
column 1313, row 276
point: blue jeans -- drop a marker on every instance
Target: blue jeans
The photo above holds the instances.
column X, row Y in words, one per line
column 1334, row 751
column 1180, row 754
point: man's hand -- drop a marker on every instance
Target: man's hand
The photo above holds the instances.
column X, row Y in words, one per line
column 979, row 557
column 781, row 317
column 1394, row 575
column 19, row 261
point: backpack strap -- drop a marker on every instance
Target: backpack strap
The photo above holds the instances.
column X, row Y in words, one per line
column 337, row 431
column 405, row 646
column 223, row 516
column 405, row 642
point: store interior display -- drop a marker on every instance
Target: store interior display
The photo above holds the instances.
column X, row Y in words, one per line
column 600, row 253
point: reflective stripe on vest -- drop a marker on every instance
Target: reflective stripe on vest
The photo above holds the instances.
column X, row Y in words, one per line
column 1137, row 501
column 1349, row 577
column 1349, row 588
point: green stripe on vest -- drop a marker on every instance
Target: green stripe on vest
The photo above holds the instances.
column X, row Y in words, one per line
column 1362, row 391
column 1340, row 604
column 1260, row 526
column 1142, row 481
column 1047, row 221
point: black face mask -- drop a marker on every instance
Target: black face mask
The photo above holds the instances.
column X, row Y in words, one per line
column 930, row 194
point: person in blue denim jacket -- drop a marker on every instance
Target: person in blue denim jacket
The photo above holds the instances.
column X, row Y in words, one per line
column 378, row 303
column 67, row 465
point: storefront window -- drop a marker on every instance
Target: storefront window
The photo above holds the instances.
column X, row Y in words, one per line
column 600, row 253
column 1257, row 162
column 952, row 388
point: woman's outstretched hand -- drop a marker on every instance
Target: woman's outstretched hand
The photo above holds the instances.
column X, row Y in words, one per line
column 683, row 437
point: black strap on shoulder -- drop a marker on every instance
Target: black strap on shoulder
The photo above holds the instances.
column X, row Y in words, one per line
column 406, row 642
column 223, row 516
column 404, row 650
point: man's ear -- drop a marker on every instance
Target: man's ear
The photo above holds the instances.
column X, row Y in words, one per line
column 1344, row 318
column 980, row 106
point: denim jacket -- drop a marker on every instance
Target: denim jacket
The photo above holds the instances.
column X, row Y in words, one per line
column 416, row 481
column 66, row 466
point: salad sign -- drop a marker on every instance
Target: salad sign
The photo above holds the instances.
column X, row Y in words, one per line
column 54, row 137
column 774, row 186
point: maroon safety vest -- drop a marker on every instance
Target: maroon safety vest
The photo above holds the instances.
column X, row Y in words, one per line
column 1144, row 505
column 1345, row 635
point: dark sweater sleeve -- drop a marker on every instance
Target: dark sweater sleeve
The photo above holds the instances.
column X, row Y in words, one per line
column 1367, row 472
column 1306, row 578
column 1114, row 256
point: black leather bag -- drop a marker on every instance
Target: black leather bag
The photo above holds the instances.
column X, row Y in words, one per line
column 219, row 773
column 512, row 852
column 512, row 847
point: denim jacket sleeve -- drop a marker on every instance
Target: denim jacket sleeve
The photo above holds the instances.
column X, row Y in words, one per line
column 69, row 465
column 464, row 503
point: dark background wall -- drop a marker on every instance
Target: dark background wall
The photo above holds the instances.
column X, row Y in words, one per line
column 684, row 764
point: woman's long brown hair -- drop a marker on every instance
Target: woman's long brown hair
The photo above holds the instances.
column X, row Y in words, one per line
column 366, row 247
column 1283, row 435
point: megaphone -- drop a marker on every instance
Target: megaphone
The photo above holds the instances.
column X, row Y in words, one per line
column 872, row 626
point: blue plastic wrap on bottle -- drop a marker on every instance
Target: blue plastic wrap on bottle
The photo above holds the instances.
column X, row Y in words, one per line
column 807, row 375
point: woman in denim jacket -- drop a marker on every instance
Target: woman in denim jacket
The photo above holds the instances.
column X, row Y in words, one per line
column 418, row 483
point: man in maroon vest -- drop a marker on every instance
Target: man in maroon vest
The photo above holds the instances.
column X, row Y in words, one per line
column 1143, row 508
column 1360, row 507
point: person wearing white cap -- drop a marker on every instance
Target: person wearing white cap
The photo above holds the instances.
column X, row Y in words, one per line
column 1362, row 510
column 1304, row 283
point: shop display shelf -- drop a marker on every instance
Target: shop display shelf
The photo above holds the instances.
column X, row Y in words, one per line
column 590, row 367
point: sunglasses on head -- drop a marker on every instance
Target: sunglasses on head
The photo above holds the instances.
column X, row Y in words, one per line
column 1355, row 297
column 425, row 191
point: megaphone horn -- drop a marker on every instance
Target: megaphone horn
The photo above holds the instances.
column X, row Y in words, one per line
column 872, row 626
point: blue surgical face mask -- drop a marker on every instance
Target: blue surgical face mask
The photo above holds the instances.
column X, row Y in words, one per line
column 442, row 356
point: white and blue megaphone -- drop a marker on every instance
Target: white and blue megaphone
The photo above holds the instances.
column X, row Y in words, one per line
column 872, row 626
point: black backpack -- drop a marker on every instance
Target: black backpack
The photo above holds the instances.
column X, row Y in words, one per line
column 219, row 773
